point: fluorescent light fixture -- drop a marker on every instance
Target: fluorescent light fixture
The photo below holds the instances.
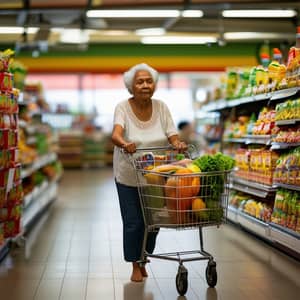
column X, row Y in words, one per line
column 178, row 40
column 265, row 13
column 17, row 30
column 253, row 35
column 150, row 31
column 137, row 13
column 74, row 36
column 192, row 13
column 114, row 32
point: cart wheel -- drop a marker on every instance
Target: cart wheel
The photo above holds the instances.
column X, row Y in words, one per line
column 211, row 274
column 182, row 280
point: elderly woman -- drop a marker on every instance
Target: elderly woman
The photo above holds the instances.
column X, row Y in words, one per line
column 139, row 122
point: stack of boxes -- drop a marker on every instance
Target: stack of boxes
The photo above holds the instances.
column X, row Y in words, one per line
column 11, row 192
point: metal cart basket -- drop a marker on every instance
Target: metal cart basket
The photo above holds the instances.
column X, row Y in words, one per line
column 174, row 194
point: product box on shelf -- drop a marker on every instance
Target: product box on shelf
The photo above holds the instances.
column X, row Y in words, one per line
column 11, row 191
column 286, row 210
column 288, row 168
column 256, row 165
column 287, row 110
column 6, row 81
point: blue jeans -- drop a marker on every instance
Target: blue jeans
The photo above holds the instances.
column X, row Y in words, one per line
column 133, row 224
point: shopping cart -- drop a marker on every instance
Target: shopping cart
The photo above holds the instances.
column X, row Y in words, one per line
column 179, row 198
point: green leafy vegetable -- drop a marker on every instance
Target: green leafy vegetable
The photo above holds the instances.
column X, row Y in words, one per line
column 214, row 184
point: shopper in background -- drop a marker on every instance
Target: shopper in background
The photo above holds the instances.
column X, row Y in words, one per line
column 188, row 135
column 139, row 122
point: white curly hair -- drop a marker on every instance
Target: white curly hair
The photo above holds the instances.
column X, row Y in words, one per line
column 128, row 76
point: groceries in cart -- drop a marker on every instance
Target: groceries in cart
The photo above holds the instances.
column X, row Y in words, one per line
column 177, row 191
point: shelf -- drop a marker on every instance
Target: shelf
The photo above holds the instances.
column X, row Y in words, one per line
column 277, row 146
column 235, row 140
column 254, row 225
column 223, row 104
column 284, row 93
column 258, row 139
column 268, row 231
column 251, row 139
column 285, row 237
column 39, row 163
column 251, row 187
column 38, row 191
column 38, row 204
column 287, row 122
column 232, row 214
column 288, row 186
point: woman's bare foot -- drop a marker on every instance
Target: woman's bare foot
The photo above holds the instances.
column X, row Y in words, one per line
column 144, row 271
column 136, row 275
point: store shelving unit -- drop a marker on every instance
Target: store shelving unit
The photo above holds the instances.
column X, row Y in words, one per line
column 251, row 187
column 222, row 104
column 41, row 196
column 37, row 201
column 271, row 232
column 39, row 163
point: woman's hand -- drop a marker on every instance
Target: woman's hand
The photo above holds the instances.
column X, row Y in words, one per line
column 180, row 146
column 129, row 147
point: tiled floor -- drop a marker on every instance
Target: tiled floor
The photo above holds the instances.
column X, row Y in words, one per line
column 76, row 253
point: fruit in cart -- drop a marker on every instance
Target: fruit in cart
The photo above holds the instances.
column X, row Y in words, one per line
column 153, row 178
column 182, row 185
column 194, row 168
column 153, row 196
column 167, row 168
column 199, row 209
column 180, row 189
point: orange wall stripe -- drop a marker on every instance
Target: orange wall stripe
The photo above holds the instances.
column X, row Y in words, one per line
column 119, row 64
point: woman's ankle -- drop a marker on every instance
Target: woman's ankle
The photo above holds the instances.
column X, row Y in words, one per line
column 144, row 271
column 136, row 275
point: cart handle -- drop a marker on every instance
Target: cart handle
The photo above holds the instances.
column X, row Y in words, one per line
column 169, row 147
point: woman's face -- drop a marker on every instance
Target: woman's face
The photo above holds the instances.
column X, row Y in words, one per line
column 143, row 85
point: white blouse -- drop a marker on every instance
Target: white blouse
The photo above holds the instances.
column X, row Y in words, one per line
column 154, row 132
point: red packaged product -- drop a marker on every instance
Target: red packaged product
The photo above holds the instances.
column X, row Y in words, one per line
column 4, row 134
column 3, row 214
column 3, row 197
column 3, row 177
column 3, row 102
column 9, row 229
column 17, row 175
column 6, row 81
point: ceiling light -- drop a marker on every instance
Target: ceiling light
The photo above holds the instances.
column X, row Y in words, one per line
column 254, row 35
column 150, row 31
column 288, row 13
column 137, row 13
column 114, row 32
column 178, row 40
column 192, row 13
column 74, row 36
column 18, row 30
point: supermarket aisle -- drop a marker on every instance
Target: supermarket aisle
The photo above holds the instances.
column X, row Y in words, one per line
column 78, row 255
